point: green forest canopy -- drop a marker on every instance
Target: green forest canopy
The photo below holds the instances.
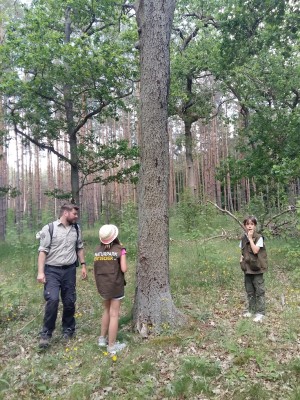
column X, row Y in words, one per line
column 68, row 66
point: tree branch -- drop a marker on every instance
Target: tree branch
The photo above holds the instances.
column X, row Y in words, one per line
column 219, row 106
column 207, row 20
column 180, row 32
column 188, row 39
column 42, row 146
column 224, row 236
column 90, row 31
column 227, row 212
column 296, row 99
column 90, row 24
column 288, row 210
column 88, row 116
column 49, row 98
column 98, row 110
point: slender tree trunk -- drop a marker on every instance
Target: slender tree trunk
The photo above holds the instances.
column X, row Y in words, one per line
column 50, row 182
column 153, row 305
column 3, row 165
column 216, row 160
column 30, row 198
column 3, row 180
column 19, row 209
column 37, row 187
column 172, row 174
column 190, row 173
column 227, row 184
column 70, row 122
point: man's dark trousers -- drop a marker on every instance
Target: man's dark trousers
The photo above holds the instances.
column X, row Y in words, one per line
column 60, row 280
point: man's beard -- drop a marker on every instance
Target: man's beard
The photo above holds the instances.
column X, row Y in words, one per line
column 71, row 220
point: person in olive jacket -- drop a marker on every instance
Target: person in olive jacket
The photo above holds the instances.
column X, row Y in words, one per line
column 109, row 269
column 254, row 263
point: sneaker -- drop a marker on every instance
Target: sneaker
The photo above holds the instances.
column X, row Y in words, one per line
column 116, row 348
column 102, row 341
column 247, row 314
column 44, row 342
column 258, row 318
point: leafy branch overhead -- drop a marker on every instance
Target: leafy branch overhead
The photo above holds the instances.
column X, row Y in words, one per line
column 65, row 67
column 240, row 60
column 112, row 157
column 58, row 194
column 12, row 192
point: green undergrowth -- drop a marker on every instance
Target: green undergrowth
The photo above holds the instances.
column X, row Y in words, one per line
column 216, row 355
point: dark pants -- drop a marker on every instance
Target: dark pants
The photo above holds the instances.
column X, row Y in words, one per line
column 63, row 281
column 255, row 289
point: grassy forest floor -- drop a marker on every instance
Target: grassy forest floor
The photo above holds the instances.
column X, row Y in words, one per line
column 217, row 355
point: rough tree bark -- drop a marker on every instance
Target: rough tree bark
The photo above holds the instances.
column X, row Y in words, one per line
column 153, row 306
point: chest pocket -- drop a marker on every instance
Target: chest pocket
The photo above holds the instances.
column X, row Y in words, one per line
column 68, row 239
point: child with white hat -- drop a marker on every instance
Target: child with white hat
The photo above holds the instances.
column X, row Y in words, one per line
column 109, row 268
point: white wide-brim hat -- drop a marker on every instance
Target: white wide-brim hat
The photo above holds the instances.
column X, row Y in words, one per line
column 108, row 233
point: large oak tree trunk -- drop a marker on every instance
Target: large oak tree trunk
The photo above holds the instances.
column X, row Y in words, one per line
column 153, row 306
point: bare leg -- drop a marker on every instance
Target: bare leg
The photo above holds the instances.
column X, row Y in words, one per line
column 113, row 321
column 105, row 318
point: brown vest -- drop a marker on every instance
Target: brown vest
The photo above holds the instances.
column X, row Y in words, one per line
column 108, row 275
column 253, row 263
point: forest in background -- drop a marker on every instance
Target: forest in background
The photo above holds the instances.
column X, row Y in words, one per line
column 85, row 96
column 70, row 91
